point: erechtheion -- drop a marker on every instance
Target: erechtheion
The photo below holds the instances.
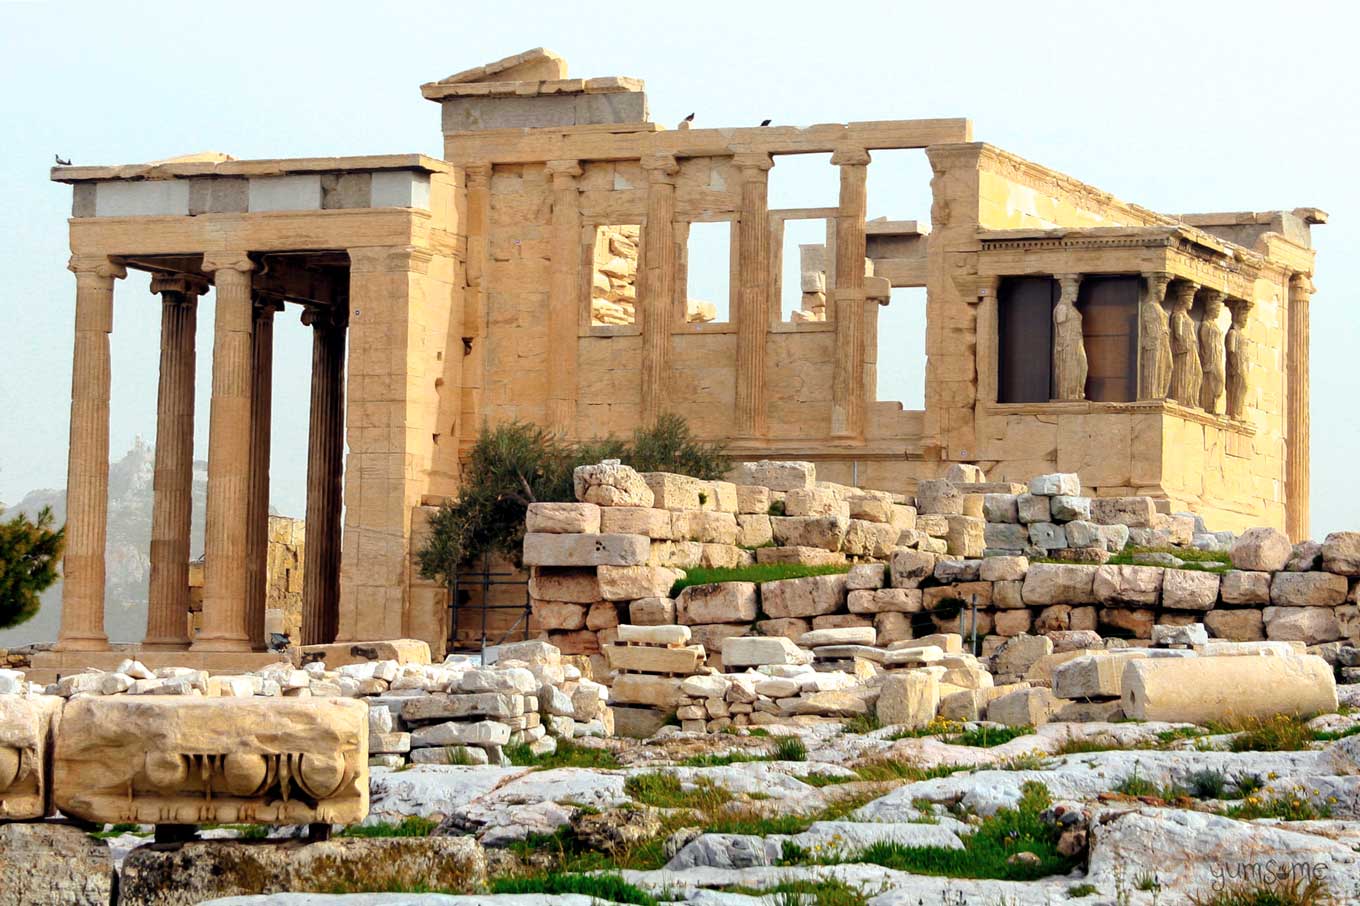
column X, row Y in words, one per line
column 538, row 271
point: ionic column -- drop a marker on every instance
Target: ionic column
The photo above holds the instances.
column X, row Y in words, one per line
column 563, row 295
column 229, row 449
column 753, row 299
column 325, row 470
column 167, row 620
column 1186, row 373
column 1211, row 355
column 261, row 420
column 87, row 473
column 1154, row 339
column 1236, row 359
column 1069, row 344
column 656, row 296
column 847, row 297
column 1297, row 419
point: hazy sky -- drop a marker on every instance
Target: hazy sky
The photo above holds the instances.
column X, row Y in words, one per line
column 1179, row 106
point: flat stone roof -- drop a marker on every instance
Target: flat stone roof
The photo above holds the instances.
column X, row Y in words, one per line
column 177, row 168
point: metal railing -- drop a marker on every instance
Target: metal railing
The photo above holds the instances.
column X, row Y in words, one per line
column 461, row 588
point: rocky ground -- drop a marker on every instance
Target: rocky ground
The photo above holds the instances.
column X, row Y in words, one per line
column 846, row 814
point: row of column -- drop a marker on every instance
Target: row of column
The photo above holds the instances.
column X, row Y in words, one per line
column 236, row 544
column 1194, row 364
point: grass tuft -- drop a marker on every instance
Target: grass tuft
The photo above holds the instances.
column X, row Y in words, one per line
column 789, row 748
column 760, row 572
column 1281, row 733
column 410, row 826
column 1287, row 892
column 987, row 737
column 607, row 887
column 568, row 755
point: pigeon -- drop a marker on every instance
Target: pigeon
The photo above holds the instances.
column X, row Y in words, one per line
column 764, row 122
column 689, row 119
column 64, row 163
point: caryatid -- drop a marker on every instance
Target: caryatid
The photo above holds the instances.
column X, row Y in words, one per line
column 1211, row 352
column 1235, row 349
column 1069, row 348
column 1186, row 373
column 1154, row 353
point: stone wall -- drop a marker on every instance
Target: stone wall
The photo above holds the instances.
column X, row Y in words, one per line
column 283, row 583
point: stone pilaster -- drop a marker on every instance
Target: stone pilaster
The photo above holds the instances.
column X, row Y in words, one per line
column 656, row 295
column 847, row 297
column 87, row 475
column 261, row 421
column 564, row 295
column 229, row 446
column 1154, row 339
column 325, row 469
column 753, row 299
column 1069, row 344
column 1237, row 358
column 1297, row 418
column 167, row 621
column 474, row 312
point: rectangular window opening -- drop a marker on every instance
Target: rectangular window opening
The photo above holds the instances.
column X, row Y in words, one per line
column 805, row 269
column 614, row 274
column 804, row 181
column 708, row 272
column 902, row 348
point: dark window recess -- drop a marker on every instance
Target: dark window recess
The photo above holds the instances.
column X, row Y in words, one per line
column 1025, row 339
column 1109, row 324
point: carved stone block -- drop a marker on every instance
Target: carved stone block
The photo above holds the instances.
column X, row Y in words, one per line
column 163, row 760
column 26, row 728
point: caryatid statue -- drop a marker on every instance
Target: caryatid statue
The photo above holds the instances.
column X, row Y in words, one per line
column 1235, row 350
column 1154, row 343
column 1186, row 373
column 1069, row 347
column 1211, row 352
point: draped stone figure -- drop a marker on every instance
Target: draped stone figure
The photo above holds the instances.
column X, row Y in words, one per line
column 1211, row 355
column 1154, row 340
column 1186, row 373
column 1235, row 349
column 1069, row 348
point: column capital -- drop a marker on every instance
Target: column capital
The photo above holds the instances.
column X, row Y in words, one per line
column 100, row 266
column 388, row 259
column 1240, row 309
column 1158, row 281
column 564, row 172
column 181, row 284
column 753, row 164
column 850, row 156
column 478, row 175
column 661, row 167
column 325, row 316
column 1183, row 292
column 1301, row 284
column 1070, row 284
column 230, row 261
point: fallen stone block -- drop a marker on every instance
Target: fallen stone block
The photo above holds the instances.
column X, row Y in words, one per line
column 756, row 651
column 1187, row 636
column 1261, row 549
column 1056, row 483
column 181, row 760
column 653, row 659
column 776, row 475
column 1133, row 512
column 51, row 864
column 1203, row 689
column 718, row 602
column 26, row 737
column 909, row 699
column 1341, row 553
column 609, row 483
column 1019, row 653
column 850, row 635
column 1032, row 707
column 1092, row 676
column 655, row 635
column 1310, row 625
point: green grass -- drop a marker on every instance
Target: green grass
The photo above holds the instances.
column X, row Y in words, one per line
column 568, row 755
column 1203, row 561
column 823, row 892
column 987, row 737
column 862, row 723
column 117, row 830
column 726, row 758
column 1281, row 733
column 1301, row 892
column 666, row 791
column 1025, row 761
column 893, row 769
column 1133, row 785
column 1334, row 735
column 823, row 780
column 1082, row 890
column 1208, row 784
column 789, row 748
column 987, row 851
column 1287, row 805
column 602, row 887
column 760, row 572
column 410, row 826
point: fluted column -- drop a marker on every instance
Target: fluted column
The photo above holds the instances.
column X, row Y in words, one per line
column 657, row 292
column 753, row 300
column 563, row 295
column 325, row 470
column 87, row 475
column 847, row 296
column 167, row 619
column 1154, row 339
column 1237, row 362
column 261, row 420
column 229, row 450
column 1069, row 343
column 1297, row 418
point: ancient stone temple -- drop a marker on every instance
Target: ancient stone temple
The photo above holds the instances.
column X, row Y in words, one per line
column 541, row 271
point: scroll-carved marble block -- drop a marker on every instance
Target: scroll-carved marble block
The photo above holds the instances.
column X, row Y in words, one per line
column 173, row 760
column 26, row 727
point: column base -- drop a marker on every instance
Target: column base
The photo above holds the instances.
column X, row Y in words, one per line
column 82, row 643
column 165, row 645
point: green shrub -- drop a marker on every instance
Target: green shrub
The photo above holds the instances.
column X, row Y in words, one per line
column 29, row 553
column 515, row 464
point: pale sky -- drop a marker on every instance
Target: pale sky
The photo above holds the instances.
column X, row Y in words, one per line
column 1181, row 107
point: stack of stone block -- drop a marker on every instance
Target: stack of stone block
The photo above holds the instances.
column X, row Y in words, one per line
column 1051, row 519
column 648, row 665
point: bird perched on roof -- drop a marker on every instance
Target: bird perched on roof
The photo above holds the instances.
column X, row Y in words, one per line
column 684, row 123
column 60, row 162
column 764, row 122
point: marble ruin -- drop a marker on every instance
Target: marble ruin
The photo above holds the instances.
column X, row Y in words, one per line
column 539, row 271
